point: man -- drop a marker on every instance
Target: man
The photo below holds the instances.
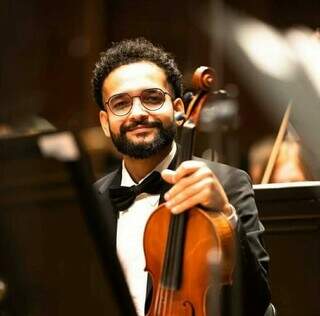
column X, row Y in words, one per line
column 138, row 88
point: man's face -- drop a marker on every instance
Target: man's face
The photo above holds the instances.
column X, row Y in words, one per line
column 141, row 133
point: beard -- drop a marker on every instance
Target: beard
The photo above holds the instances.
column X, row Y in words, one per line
column 164, row 136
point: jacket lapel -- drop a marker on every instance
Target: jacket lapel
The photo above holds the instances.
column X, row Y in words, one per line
column 103, row 185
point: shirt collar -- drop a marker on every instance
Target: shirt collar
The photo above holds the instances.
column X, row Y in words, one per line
column 126, row 179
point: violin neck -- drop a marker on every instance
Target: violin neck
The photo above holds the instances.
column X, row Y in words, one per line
column 186, row 142
column 172, row 273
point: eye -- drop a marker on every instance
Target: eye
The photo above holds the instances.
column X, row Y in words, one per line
column 153, row 97
column 120, row 102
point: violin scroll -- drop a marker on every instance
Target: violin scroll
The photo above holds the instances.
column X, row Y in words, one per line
column 204, row 78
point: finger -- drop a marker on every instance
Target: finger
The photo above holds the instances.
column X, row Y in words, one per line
column 168, row 175
column 188, row 181
column 188, row 167
column 186, row 204
column 205, row 186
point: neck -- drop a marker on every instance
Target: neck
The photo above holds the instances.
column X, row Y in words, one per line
column 139, row 168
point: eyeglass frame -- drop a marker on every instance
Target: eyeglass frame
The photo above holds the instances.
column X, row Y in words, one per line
column 138, row 96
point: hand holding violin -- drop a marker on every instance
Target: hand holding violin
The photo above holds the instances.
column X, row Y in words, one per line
column 195, row 184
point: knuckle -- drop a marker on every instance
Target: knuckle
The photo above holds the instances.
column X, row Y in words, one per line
column 212, row 184
column 209, row 183
column 182, row 168
column 207, row 191
column 206, row 172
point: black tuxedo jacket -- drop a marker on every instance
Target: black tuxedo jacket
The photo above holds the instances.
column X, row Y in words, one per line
column 249, row 294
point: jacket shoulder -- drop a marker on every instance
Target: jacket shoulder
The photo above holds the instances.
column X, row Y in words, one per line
column 103, row 183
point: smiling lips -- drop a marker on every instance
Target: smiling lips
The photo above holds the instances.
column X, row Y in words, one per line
column 141, row 129
column 141, row 126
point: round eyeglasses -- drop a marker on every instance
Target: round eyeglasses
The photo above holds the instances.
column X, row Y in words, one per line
column 151, row 99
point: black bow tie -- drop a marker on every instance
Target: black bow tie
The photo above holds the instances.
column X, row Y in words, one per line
column 123, row 197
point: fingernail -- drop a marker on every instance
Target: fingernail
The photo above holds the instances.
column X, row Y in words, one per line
column 174, row 210
column 166, row 196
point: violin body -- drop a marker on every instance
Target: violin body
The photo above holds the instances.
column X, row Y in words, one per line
column 208, row 242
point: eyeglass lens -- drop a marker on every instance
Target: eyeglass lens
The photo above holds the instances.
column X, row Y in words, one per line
column 151, row 99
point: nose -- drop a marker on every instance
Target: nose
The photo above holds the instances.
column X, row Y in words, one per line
column 137, row 107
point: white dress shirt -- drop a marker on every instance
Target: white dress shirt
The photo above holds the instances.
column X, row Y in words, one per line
column 130, row 231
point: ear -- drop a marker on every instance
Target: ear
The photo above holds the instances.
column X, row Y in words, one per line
column 103, row 115
column 178, row 107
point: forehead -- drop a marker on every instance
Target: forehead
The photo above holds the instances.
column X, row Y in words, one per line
column 134, row 78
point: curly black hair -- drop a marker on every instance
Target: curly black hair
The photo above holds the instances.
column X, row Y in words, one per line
column 131, row 51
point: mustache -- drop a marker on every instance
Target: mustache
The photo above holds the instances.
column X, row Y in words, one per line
column 130, row 126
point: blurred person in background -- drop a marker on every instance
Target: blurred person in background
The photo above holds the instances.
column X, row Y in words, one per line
column 290, row 165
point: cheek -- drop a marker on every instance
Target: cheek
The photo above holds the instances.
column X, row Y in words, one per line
column 167, row 114
column 114, row 125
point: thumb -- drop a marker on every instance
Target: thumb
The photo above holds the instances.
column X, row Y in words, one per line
column 168, row 176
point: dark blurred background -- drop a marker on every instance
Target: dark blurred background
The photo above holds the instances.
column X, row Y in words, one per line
column 48, row 50
column 47, row 53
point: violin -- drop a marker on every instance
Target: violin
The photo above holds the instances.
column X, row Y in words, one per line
column 188, row 254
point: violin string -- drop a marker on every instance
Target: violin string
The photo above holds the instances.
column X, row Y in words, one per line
column 160, row 299
column 166, row 295
column 163, row 303
column 170, row 302
column 171, row 274
column 158, row 296
column 172, row 255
